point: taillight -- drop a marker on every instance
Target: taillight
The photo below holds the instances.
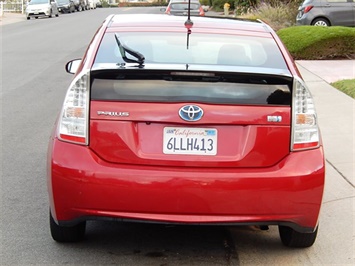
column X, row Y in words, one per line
column 307, row 9
column 305, row 131
column 73, row 124
column 202, row 12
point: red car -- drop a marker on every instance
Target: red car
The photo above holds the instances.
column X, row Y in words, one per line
column 191, row 121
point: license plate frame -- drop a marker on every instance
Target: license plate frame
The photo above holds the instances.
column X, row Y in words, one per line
column 190, row 141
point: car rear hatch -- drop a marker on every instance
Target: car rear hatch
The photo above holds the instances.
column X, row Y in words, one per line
column 190, row 118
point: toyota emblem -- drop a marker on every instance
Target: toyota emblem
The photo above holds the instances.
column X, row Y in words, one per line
column 191, row 113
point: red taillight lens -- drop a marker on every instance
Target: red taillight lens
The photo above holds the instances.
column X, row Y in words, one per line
column 307, row 9
column 73, row 123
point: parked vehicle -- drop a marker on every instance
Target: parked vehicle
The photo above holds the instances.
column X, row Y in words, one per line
column 99, row 4
column 178, row 7
column 326, row 13
column 92, row 4
column 198, row 122
column 41, row 8
column 66, row 6
column 86, row 5
column 80, row 5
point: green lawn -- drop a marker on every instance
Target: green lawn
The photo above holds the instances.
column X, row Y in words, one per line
column 317, row 43
column 347, row 86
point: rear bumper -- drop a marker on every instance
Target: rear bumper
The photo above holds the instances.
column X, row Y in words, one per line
column 38, row 14
column 81, row 186
column 303, row 21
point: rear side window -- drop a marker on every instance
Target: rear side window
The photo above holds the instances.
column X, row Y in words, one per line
column 204, row 49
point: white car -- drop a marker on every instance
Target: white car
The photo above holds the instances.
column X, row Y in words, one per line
column 92, row 4
column 42, row 8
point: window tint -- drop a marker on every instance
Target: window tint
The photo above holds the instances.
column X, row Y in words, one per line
column 206, row 49
column 154, row 90
column 184, row 6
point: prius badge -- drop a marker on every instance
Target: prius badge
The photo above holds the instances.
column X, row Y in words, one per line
column 191, row 113
column 112, row 113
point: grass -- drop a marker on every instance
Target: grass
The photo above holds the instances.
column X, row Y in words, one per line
column 317, row 43
column 347, row 86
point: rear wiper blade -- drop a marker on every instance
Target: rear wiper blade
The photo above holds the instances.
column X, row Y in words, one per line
column 124, row 49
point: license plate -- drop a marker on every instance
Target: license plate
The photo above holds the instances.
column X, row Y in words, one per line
column 190, row 141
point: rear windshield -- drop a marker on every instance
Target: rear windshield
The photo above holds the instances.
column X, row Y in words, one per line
column 158, row 87
column 184, row 6
column 205, row 49
column 36, row 2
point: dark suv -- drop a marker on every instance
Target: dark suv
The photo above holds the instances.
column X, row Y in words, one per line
column 326, row 13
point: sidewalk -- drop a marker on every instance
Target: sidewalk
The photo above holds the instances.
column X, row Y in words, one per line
column 9, row 18
column 330, row 70
column 336, row 112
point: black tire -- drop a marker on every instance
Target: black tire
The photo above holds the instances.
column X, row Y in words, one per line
column 50, row 14
column 292, row 238
column 28, row 18
column 57, row 15
column 321, row 22
column 66, row 233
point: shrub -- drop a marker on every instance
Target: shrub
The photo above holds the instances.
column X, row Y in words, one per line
column 218, row 4
column 244, row 6
column 206, row 2
column 278, row 14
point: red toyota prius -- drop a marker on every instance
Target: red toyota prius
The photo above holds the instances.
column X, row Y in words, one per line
column 186, row 121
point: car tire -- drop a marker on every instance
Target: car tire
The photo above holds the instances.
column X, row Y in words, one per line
column 321, row 22
column 28, row 18
column 57, row 15
column 292, row 238
column 66, row 233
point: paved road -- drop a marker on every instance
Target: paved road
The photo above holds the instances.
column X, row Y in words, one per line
column 32, row 89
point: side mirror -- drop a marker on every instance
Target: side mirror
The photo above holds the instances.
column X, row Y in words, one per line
column 72, row 66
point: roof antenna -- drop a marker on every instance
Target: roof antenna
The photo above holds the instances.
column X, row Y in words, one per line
column 188, row 25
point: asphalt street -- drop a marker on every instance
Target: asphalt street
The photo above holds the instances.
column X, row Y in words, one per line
column 28, row 105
